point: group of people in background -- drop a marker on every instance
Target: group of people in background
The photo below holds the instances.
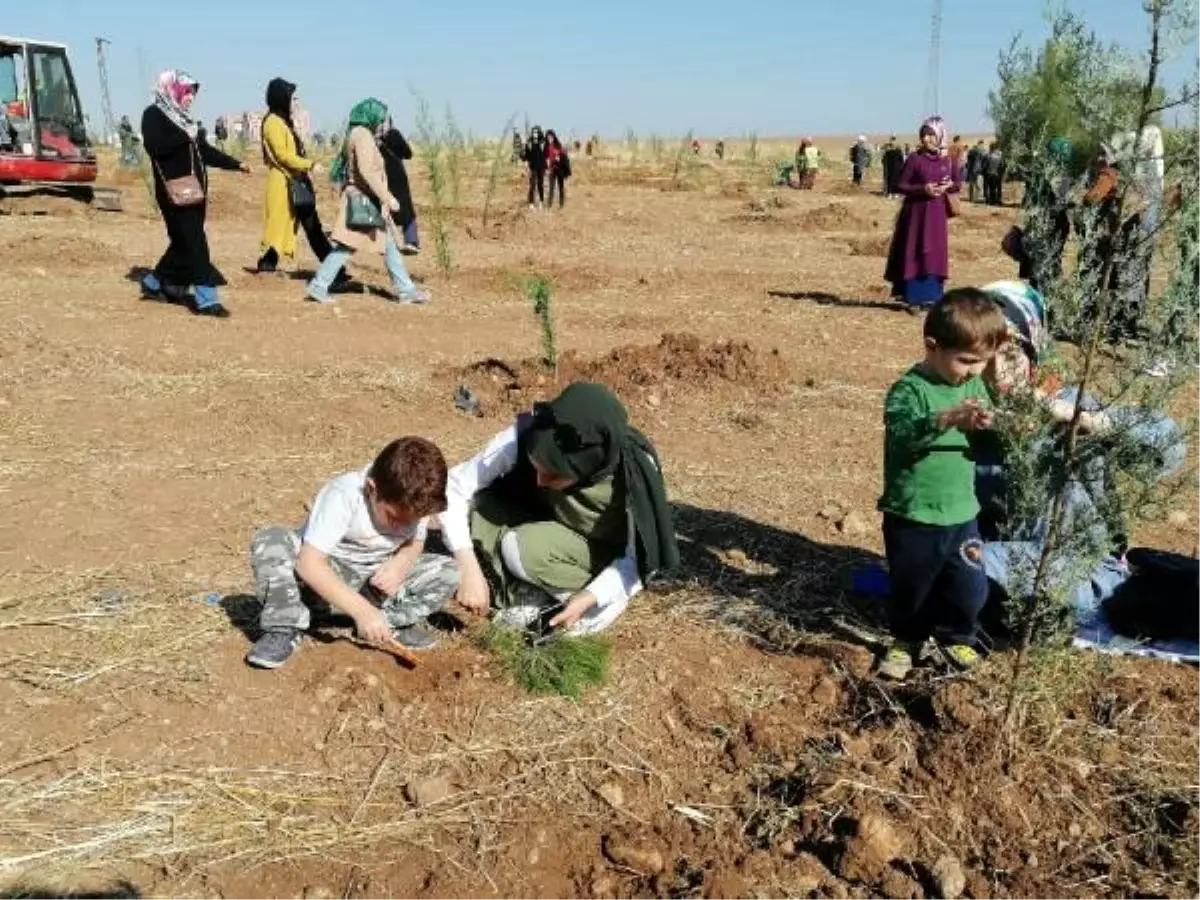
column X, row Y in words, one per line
column 545, row 156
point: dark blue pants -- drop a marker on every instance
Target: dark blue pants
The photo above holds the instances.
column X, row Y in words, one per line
column 938, row 583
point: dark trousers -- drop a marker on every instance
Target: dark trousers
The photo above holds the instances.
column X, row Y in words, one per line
column 537, row 182
column 557, row 178
column 317, row 240
column 856, row 174
column 993, row 190
column 938, row 583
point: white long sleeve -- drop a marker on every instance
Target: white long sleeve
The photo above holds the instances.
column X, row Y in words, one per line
column 466, row 479
column 619, row 582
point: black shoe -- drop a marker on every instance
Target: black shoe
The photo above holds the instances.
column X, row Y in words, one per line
column 341, row 279
column 215, row 310
column 274, row 648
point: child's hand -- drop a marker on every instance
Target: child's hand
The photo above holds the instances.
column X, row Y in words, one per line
column 388, row 579
column 970, row 416
column 373, row 627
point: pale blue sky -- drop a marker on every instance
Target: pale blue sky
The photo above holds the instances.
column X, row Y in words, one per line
column 721, row 68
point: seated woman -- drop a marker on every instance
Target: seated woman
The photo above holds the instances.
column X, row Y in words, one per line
column 565, row 507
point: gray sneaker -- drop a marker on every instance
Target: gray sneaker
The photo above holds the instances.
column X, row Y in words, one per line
column 274, row 648
column 897, row 662
column 414, row 637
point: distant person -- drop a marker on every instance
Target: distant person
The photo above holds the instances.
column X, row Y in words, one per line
column 361, row 553
column 558, row 163
column 695, row 147
column 993, row 176
column 365, row 201
column 396, row 151
column 179, row 161
column 129, row 141
column 221, row 132
column 958, row 150
column 518, row 147
column 284, row 154
column 919, row 258
column 893, row 162
column 860, row 158
column 930, row 513
column 719, row 150
column 201, row 133
column 975, row 158
column 808, row 163
column 534, row 155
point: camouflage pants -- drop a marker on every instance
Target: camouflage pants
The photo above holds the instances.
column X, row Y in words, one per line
column 289, row 603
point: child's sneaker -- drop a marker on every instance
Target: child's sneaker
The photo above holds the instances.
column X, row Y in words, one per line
column 414, row 637
column 274, row 648
column 961, row 656
column 897, row 662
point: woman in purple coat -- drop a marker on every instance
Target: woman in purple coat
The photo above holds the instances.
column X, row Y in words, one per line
column 919, row 258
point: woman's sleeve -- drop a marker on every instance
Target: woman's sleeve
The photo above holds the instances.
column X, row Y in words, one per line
column 216, row 158
column 910, row 183
column 160, row 136
column 279, row 148
column 619, row 581
column 368, row 162
column 466, row 479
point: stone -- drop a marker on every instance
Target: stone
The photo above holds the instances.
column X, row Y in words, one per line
column 612, row 794
column 898, row 886
column 603, row 886
column 319, row 892
column 644, row 860
column 534, row 856
column 949, row 877
column 867, row 855
column 853, row 525
column 832, row 512
column 429, row 791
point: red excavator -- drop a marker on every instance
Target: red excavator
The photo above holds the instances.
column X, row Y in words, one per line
column 43, row 137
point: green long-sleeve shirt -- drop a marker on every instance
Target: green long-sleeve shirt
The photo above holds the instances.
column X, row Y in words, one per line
column 928, row 473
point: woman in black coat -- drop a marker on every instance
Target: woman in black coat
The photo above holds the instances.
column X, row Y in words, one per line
column 535, row 158
column 172, row 142
column 395, row 151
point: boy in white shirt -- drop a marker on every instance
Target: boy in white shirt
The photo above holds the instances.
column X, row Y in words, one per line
column 361, row 554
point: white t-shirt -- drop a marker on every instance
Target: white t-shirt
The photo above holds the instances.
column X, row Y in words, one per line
column 340, row 525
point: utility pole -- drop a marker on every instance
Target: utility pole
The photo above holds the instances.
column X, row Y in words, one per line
column 933, row 77
column 110, row 123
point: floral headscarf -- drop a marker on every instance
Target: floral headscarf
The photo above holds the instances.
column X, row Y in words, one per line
column 169, row 90
column 937, row 125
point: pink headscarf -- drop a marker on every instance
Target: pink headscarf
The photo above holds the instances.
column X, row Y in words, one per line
column 169, row 91
column 938, row 126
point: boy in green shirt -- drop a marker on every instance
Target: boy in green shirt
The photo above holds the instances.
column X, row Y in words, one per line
column 929, row 529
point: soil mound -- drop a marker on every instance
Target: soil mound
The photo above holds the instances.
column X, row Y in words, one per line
column 833, row 217
column 639, row 374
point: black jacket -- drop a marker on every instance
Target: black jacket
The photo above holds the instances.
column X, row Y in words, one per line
column 174, row 154
column 535, row 155
column 395, row 151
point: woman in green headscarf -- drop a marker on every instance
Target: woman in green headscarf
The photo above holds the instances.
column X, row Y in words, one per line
column 359, row 169
column 566, row 507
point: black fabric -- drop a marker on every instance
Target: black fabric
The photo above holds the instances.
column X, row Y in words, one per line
column 395, row 151
column 1159, row 600
column 937, row 588
column 535, row 154
column 584, row 434
column 537, row 184
column 893, row 162
column 558, row 178
column 186, row 260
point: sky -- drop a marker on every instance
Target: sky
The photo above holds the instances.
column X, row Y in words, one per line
column 775, row 67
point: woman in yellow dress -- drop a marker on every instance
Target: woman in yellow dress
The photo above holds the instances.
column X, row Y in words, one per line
column 283, row 152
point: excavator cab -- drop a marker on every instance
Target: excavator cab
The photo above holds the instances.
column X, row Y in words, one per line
column 43, row 136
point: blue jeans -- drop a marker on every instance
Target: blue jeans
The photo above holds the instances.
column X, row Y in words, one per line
column 402, row 284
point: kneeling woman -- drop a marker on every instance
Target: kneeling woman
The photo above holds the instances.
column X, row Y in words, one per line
column 567, row 506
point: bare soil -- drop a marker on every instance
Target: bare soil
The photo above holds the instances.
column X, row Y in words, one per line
column 741, row 747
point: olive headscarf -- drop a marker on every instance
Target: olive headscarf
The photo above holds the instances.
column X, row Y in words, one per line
column 585, row 434
column 369, row 113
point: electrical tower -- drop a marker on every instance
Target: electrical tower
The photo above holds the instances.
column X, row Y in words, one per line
column 933, row 77
column 110, row 124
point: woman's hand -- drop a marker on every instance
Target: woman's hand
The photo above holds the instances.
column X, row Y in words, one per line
column 574, row 610
column 474, row 595
column 394, row 205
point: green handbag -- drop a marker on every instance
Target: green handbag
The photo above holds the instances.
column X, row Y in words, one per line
column 362, row 212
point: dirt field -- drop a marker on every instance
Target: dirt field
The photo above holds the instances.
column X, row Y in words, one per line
column 739, row 748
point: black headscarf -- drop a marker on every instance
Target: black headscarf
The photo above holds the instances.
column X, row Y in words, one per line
column 279, row 102
column 585, row 434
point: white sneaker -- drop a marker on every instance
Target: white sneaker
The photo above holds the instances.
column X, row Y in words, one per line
column 1160, row 368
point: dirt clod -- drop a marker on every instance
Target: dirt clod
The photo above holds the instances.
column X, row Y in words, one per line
column 612, row 794
column 633, row 855
column 429, row 791
column 949, row 877
column 898, row 886
column 853, row 525
column 868, row 853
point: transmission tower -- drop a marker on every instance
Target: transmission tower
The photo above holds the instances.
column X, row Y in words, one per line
column 110, row 124
column 933, row 77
